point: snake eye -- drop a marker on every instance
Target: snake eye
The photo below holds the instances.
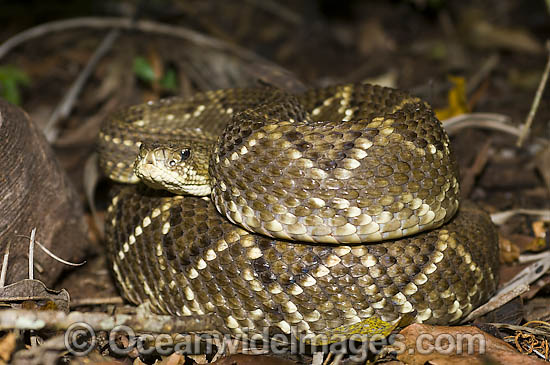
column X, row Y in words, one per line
column 185, row 153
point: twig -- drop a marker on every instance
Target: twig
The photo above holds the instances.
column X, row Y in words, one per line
column 492, row 121
column 535, row 330
column 487, row 67
column 500, row 218
column 524, row 258
column 96, row 301
column 129, row 24
column 57, row 258
column 518, row 285
column 48, row 252
column 318, row 358
column 65, row 107
column 475, row 169
column 5, row 265
column 536, row 100
column 277, row 9
column 527, row 342
column 31, row 253
column 320, row 355
column 58, row 320
column 479, row 120
column 497, row 301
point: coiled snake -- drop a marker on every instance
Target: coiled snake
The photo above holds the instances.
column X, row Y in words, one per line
column 321, row 177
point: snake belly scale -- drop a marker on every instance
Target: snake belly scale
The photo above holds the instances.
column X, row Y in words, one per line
column 346, row 203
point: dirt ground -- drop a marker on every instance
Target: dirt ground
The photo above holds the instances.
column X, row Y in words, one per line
column 466, row 58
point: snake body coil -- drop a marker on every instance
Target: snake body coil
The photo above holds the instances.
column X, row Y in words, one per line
column 329, row 169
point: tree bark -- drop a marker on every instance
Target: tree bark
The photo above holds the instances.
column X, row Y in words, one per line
column 35, row 192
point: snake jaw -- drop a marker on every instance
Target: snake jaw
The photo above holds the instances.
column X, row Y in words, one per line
column 172, row 168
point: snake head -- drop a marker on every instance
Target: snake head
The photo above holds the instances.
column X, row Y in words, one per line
column 181, row 168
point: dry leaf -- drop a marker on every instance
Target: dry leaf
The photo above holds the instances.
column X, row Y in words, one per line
column 457, row 103
column 539, row 229
column 33, row 294
column 199, row 359
column 241, row 359
column 538, row 244
column 509, row 252
column 466, row 345
column 372, row 326
column 7, row 346
column 486, row 35
column 174, row 359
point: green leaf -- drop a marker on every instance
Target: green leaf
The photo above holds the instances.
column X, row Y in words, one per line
column 11, row 78
column 169, row 80
column 143, row 69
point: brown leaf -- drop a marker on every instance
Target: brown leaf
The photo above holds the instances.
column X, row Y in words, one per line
column 242, row 359
column 32, row 294
column 7, row 346
column 174, row 359
column 523, row 242
column 539, row 229
column 509, row 252
column 483, row 34
column 424, row 344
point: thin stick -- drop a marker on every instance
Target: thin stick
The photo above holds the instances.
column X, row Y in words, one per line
column 329, row 357
column 51, row 254
column 536, row 100
column 487, row 67
column 57, row 258
column 524, row 258
column 496, row 302
column 338, row 358
column 35, row 320
column 31, row 254
column 518, row 285
column 95, row 301
column 480, row 120
column 129, row 24
column 469, row 175
column 492, row 121
column 66, row 105
column 5, row 266
column 277, row 9
column 499, row 218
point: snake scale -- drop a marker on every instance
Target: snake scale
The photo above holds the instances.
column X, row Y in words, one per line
column 337, row 205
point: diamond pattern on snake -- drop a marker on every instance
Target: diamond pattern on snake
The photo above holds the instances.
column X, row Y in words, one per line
column 296, row 213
